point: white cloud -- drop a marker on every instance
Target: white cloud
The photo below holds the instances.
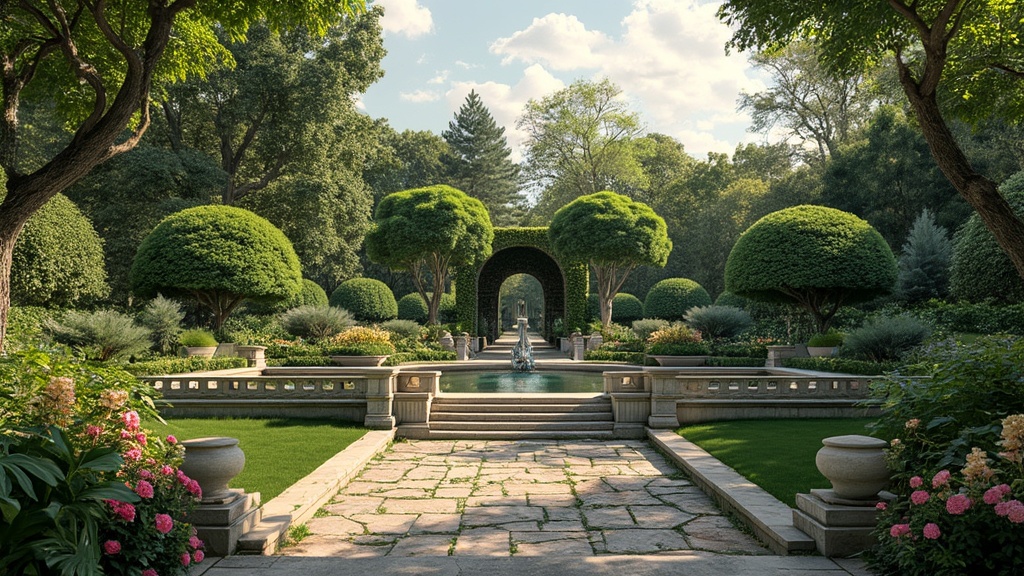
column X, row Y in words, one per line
column 670, row 57
column 440, row 78
column 418, row 96
column 406, row 18
column 506, row 102
column 467, row 65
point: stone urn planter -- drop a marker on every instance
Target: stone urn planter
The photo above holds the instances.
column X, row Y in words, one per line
column 358, row 360
column 855, row 465
column 680, row 360
column 213, row 462
column 820, row 351
column 201, row 351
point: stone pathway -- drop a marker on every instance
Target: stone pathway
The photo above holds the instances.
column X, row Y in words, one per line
column 523, row 498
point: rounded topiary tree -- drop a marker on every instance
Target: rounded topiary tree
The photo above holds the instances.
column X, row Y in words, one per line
column 812, row 256
column 670, row 298
column 368, row 299
column 311, row 294
column 426, row 230
column 219, row 255
column 58, row 259
column 412, row 307
column 614, row 234
column 979, row 269
column 626, row 308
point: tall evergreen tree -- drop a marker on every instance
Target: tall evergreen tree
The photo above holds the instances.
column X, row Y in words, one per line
column 479, row 162
column 924, row 264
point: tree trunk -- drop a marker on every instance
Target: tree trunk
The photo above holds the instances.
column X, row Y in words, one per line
column 6, row 255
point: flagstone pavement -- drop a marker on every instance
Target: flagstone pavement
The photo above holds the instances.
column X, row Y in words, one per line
column 520, row 498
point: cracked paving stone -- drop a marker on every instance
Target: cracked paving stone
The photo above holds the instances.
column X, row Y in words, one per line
column 421, row 506
column 698, row 503
column 659, row 516
column 433, row 523
column 427, row 473
column 627, row 483
column 563, row 548
column 422, row 545
column 386, row 523
column 454, row 492
column 552, row 500
column 534, row 489
column 346, row 505
column 322, row 545
column 614, row 517
column 637, row 498
column 476, row 501
column 334, row 526
column 489, row 515
column 717, row 534
column 483, row 542
column 562, row 513
column 637, row 541
column 562, row 526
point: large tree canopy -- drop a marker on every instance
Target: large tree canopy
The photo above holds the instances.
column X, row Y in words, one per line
column 970, row 51
column 614, row 234
column 816, row 257
column 101, row 60
column 219, row 255
column 426, row 230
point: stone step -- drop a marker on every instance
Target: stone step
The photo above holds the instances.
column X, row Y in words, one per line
column 520, row 435
column 523, row 426
column 593, row 408
column 444, row 416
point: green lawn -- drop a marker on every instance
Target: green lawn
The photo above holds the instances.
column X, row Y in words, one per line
column 777, row 455
column 278, row 452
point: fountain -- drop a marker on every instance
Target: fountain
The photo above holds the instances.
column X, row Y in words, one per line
column 522, row 352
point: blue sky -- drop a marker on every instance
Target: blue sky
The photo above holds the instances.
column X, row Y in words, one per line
column 668, row 56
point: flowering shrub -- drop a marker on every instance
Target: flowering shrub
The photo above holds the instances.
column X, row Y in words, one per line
column 957, row 523
column 361, row 341
column 677, row 339
column 92, row 492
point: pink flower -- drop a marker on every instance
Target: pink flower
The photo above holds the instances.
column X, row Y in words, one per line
column 916, row 482
column 164, row 524
column 140, row 438
column 994, row 495
column 123, row 509
column 940, row 479
column 931, row 531
column 898, row 530
column 149, row 572
column 134, row 455
column 185, row 559
column 195, row 543
column 111, row 547
column 126, row 435
column 881, row 506
column 198, row 556
column 1003, row 508
column 171, row 439
column 166, row 470
column 1016, row 514
column 146, row 474
column 144, row 489
column 958, row 504
column 193, row 487
column 131, row 420
column 919, row 497
column 93, row 431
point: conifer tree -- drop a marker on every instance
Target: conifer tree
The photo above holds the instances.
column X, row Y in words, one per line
column 924, row 263
column 479, row 162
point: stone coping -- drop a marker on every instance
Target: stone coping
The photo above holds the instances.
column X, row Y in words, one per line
column 769, row 518
column 301, row 500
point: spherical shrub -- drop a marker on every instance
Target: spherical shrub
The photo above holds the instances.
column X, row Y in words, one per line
column 730, row 299
column 412, row 307
column 670, row 298
column 718, row 321
column 626, row 308
column 316, row 322
column 368, row 299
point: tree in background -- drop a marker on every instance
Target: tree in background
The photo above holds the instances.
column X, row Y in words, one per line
column 816, row 257
column 614, row 234
column 980, row 270
column 924, row 262
column 424, row 231
column 58, row 260
column 479, row 164
column 218, row 255
column 129, row 195
column 967, row 50
column 102, row 64
column 579, row 141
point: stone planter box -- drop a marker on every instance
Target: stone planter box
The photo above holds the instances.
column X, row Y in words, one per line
column 819, row 351
column 201, row 351
column 680, row 360
column 358, row 360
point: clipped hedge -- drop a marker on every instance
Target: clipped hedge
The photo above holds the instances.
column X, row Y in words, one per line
column 734, row 361
column 368, row 299
column 183, row 365
column 843, row 365
column 626, row 308
column 670, row 298
column 599, row 355
column 422, row 355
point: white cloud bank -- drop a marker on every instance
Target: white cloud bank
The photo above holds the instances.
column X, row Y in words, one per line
column 406, row 18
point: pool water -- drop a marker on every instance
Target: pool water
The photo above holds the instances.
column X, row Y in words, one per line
column 522, row 382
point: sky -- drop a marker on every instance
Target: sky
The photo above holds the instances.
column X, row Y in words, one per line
column 668, row 57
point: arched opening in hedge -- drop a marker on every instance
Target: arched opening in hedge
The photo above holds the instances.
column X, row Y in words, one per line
column 518, row 260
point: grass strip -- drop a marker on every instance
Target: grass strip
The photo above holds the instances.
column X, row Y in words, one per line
column 278, row 452
column 777, row 455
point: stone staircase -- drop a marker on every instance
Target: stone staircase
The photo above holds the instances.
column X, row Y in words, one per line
column 518, row 417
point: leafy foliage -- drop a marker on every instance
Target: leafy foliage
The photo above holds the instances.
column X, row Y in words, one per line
column 820, row 258
column 677, row 340
column 360, row 341
column 404, row 329
column 626, row 308
column 58, row 259
column 197, row 338
column 647, row 326
column 102, row 335
column 219, row 255
column 671, row 298
column 163, row 366
column 841, row 365
column 413, row 307
column 316, row 322
column 886, row 338
column 718, row 321
column 163, row 316
column 924, row 263
column 367, row 299
column 980, row 269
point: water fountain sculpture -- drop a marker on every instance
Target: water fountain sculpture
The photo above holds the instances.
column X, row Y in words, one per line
column 522, row 352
